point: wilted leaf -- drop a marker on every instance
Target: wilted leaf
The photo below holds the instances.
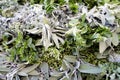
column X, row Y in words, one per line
column 87, row 68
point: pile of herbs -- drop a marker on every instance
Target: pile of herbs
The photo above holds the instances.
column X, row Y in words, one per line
column 59, row 40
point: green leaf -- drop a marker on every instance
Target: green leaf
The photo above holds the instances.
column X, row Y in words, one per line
column 106, row 1
column 87, row 68
column 29, row 42
column 83, row 19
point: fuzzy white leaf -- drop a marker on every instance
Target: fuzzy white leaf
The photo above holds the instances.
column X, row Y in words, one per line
column 84, row 10
column 22, row 74
column 46, row 37
column 91, row 12
column 34, row 72
column 70, row 58
column 113, row 57
column 55, row 39
column 34, row 31
column 112, row 76
column 45, row 69
column 73, row 31
column 28, row 69
column 102, row 19
column 66, row 65
column 56, row 73
column 102, row 46
column 115, row 39
column 87, row 68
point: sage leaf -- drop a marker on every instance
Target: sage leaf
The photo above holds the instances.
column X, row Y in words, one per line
column 87, row 68
column 56, row 73
column 115, row 39
column 28, row 69
column 34, row 31
column 34, row 72
column 22, row 74
column 112, row 76
column 70, row 58
column 45, row 69
column 102, row 46
column 114, row 57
